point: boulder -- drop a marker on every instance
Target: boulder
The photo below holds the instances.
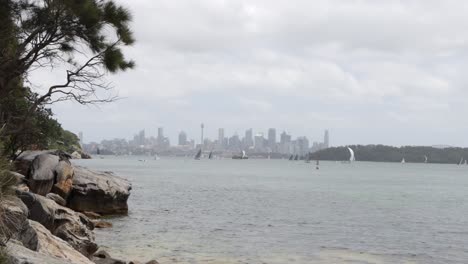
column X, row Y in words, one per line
column 36, row 237
column 41, row 176
column 75, row 155
column 13, row 216
column 64, row 178
column 46, row 171
column 23, row 161
column 18, row 254
column 56, row 198
column 99, row 192
column 74, row 228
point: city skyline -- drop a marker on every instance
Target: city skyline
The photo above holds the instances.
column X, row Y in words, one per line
column 398, row 86
column 257, row 142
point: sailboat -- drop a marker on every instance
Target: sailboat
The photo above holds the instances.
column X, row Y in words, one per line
column 425, row 159
column 461, row 161
column 296, row 157
column 291, row 157
column 403, row 160
column 210, row 156
column 307, row 158
column 198, row 156
column 351, row 155
column 242, row 156
column 317, row 165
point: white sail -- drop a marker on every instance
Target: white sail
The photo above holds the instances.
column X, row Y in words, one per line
column 351, row 152
column 425, row 159
column 461, row 161
column 403, row 160
column 243, row 154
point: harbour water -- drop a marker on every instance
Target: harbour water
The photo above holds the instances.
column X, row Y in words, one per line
column 279, row 211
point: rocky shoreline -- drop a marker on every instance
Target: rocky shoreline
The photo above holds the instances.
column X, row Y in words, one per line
column 56, row 208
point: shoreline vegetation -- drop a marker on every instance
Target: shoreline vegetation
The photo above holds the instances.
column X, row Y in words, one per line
column 383, row 153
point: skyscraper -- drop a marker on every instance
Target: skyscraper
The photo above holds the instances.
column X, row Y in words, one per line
column 272, row 139
column 182, row 138
column 326, row 139
column 221, row 138
column 202, row 126
column 248, row 140
column 160, row 133
column 259, row 142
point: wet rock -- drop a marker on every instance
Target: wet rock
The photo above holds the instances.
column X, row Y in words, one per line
column 74, row 228
column 99, row 192
column 102, row 224
column 102, row 257
column 36, row 237
column 92, row 215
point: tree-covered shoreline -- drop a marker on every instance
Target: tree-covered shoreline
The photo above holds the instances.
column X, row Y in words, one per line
column 383, row 153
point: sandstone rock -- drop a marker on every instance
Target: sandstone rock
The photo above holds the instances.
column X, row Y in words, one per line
column 92, row 215
column 152, row 262
column 100, row 192
column 46, row 171
column 36, row 237
column 102, row 224
column 56, row 198
column 74, row 228
column 18, row 254
column 41, row 176
column 64, row 178
column 23, row 161
column 75, row 155
column 102, row 257
column 13, row 216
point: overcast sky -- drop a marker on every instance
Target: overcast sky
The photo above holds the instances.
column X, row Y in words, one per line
column 390, row 72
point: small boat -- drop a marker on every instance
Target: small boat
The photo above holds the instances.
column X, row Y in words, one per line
column 307, row 158
column 403, row 161
column 296, row 157
column 317, row 165
column 210, row 156
column 461, row 161
column 198, row 156
column 425, row 159
column 291, row 157
column 351, row 155
column 241, row 156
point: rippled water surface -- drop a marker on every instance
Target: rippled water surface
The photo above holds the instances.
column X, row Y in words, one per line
column 278, row 211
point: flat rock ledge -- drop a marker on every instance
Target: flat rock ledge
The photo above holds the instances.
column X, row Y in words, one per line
column 100, row 192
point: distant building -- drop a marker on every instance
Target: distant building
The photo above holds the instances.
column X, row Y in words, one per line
column 248, row 139
column 182, row 138
column 221, row 141
column 302, row 146
column 326, row 139
column 259, row 144
column 160, row 132
column 272, row 139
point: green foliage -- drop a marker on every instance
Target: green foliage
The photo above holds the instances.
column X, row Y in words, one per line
column 393, row 154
